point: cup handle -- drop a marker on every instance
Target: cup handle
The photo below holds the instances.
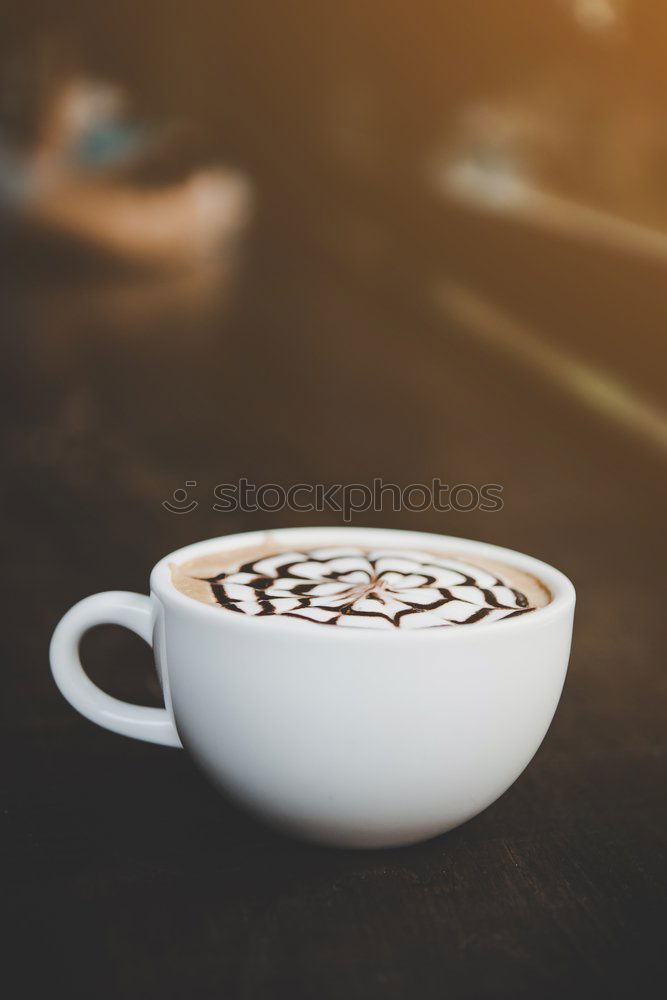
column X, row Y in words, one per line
column 134, row 611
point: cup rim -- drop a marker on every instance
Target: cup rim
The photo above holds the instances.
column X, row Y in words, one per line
column 562, row 590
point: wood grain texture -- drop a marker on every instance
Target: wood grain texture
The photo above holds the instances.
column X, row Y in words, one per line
column 128, row 876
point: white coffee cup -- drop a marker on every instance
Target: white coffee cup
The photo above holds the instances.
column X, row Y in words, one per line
column 353, row 737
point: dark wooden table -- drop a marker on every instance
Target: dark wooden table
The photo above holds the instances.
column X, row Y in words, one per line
column 128, row 876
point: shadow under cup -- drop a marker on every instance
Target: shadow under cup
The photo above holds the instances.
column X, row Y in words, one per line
column 349, row 737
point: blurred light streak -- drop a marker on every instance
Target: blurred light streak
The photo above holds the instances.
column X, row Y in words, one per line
column 510, row 195
column 597, row 15
column 595, row 388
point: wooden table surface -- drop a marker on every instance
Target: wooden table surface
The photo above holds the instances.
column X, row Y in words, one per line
column 129, row 877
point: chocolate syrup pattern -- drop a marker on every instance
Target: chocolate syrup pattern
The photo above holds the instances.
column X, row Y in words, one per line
column 382, row 588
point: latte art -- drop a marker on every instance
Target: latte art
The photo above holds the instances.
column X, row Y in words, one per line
column 364, row 588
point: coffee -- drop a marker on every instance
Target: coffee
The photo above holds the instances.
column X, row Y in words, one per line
column 361, row 587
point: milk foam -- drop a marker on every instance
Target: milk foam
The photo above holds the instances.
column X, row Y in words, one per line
column 353, row 587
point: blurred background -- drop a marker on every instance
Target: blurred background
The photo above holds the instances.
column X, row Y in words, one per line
column 328, row 242
column 324, row 242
